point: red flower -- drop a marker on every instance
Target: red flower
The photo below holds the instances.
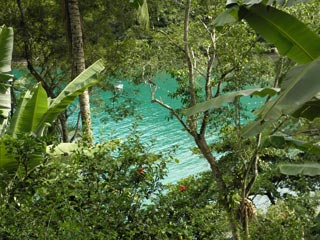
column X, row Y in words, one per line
column 140, row 170
column 182, row 188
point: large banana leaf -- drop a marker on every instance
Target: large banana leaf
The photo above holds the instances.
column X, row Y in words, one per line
column 86, row 79
column 308, row 169
column 291, row 37
column 302, row 85
column 229, row 98
column 20, row 111
column 282, row 142
column 310, row 110
column 5, row 105
column 231, row 15
column 30, row 111
column 6, row 47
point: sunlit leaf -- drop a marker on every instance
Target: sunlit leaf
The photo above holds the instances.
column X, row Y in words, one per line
column 143, row 14
column 282, row 142
column 6, row 47
column 291, row 37
column 308, row 169
column 229, row 98
column 28, row 115
column 86, row 79
column 61, row 149
column 228, row 16
column 301, row 86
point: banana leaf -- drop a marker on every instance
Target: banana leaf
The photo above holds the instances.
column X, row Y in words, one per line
column 29, row 112
column 282, row 142
column 229, row 98
column 301, row 86
column 310, row 110
column 308, row 169
column 291, row 37
column 6, row 47
column 231, row 15
column 18, row 114
column 86, row 79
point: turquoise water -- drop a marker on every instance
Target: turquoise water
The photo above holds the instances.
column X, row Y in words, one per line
column 155, row 125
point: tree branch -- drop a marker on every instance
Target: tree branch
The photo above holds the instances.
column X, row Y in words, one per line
column 153, row 89
column 28, row 53
column 189, row 54
column 172, row 41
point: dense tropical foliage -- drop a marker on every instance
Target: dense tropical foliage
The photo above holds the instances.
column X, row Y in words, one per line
column 56, row 183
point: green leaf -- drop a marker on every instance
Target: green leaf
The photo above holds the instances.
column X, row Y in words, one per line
column 5, row 102
column 301, row 86
column 16, row 118
column 136, row 3
column 61, row 149
column 4, row 77
column 229, row 98
column 308, row 169
column 228, row 16
column 7, row 162
column 310, row 110
column 32, row 110
column 143, row 14
column 86, row 79
column 254, row 127
column 282, row 142
column 291, row 37
column 289, row 3
column 6, row 47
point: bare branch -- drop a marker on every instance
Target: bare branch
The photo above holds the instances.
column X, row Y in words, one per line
column 253, row 166
column 28, row 53
column 153, row 89
column 172, row 41
column 208, row 87
column 189, row 55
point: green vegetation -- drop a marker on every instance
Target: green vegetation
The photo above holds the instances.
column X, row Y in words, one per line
column 55, row 185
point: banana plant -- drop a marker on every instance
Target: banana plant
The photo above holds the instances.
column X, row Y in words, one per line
column 219, row 101
column 6, row 47
column 36, row 111
column 300, row 90
column 293, row 39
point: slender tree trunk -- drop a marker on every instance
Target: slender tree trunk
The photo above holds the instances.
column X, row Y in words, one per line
column 78, row 63
column 192, row 123
column 34, row 72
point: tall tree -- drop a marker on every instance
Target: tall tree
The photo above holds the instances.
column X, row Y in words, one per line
column 207, row 69
column 74, row 28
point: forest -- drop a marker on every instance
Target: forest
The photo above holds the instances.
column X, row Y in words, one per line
column 58, row 180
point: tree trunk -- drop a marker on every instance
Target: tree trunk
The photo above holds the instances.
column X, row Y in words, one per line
column 78, row 65
column 192, row 124
column 35, row 73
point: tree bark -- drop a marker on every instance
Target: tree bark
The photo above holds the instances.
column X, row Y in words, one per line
column 78, row 65
column 28, row 55
column 192, row 123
